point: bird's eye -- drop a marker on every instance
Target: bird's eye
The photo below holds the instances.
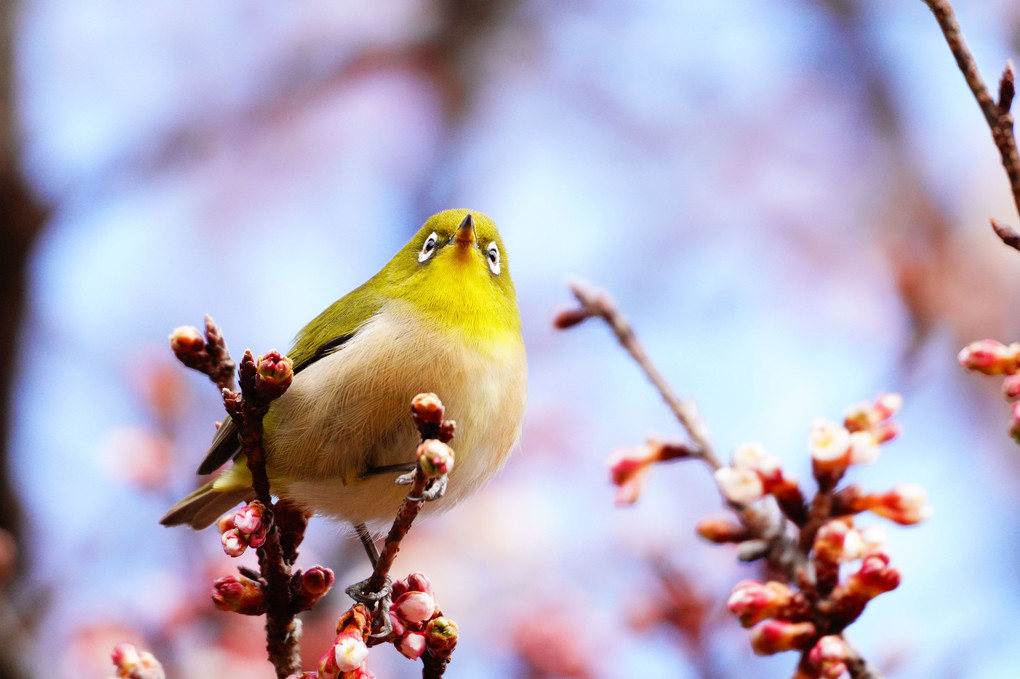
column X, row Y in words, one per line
column 429, row 247
column 492, row 253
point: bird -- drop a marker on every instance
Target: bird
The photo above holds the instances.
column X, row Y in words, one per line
column 440, row 317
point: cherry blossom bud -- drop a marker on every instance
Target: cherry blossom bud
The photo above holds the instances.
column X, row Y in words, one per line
column 828, row 443
column 829, row 655
column 239, row 594
column 349, row 651
column 990, row 357
column 186, row 341
column 864, row 448
column 874, row 577
column 753, row 601
column 134, row 664
column 233, row 543
column 312, row 585
column 435, row 458
column 775, row 636
column 738, row 485
column 721, row 529
column 441, row 635
column 755, row 456
column 427, row 408
column 1011, row 387
column 1014, row 422
column 830, row 541
column 225, row 523
column 628, row 469
column 274, row 373
column 248, row 519
column 328, row 668
column 415, row 607
column 906, row 504
column 411, row 645
column 418, row 582
column 886, row 431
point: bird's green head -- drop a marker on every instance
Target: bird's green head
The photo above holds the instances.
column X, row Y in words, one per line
column 455, row 269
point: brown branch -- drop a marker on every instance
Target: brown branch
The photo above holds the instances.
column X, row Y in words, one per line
column 997, row 114
column 764, row 534
column 427, row 411
column 260, row 384
column 597, row 303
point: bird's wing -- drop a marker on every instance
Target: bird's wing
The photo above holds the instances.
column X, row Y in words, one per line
column 324, row 335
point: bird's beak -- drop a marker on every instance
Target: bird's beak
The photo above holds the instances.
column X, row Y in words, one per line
column 465, row 235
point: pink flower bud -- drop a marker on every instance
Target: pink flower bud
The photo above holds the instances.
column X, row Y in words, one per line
column 225, row 523
column 775, row 636
column 248, row 519
column 239, row 594
column 721, row 529
column 756, row 457
column 753, row 601
column 134, row 664
column 415, row 607
column 274, row 373
column 349, row 652
column 1011, row 387
column 990, row 357
column 830, row 541
column 186, row 339
column 427, row 408
column 740, row 486
column 411, row 645
column 316, row 581
column 628, row 474
column 828, row 443
column 829, row 655
column 864, row 448
column 418, row 582
column 258, row 538
column 441, row 635
column 874, row 577
column 435, row 458
column 1014, row 422
column 233, row 544
column 906, row 504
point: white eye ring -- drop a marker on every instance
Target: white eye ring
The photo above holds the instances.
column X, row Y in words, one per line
column 492, row 254
column 429, row 247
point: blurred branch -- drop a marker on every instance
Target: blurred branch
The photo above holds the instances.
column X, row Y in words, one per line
column 808, row 606
column 997, row 113
column 21, row 220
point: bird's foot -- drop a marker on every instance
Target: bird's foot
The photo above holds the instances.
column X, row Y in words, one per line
column 435, row 489
column 378, row 601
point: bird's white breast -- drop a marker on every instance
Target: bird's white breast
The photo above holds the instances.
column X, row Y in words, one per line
column 350, row 411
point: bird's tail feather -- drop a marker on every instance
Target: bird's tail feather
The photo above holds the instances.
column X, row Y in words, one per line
column 204, row 506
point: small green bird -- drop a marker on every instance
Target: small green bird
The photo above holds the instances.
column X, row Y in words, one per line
column 441, row 316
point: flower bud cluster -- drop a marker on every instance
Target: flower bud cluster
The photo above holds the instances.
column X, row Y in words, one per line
column 823, row 592
column 247, row 527
column 417, row 622
column 629, row 467
column 994, row 358
column 134, row 664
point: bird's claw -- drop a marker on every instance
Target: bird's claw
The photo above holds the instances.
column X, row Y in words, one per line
column 378, row 602
column 435, row 490
column 406, row 479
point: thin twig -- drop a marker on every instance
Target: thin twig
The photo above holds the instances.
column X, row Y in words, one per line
column 598, row 303
column 997, row 114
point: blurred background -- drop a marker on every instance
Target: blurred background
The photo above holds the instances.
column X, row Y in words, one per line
column 790, row 201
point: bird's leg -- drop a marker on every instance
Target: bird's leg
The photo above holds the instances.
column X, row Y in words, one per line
column 367, row 542
column 377, row 601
